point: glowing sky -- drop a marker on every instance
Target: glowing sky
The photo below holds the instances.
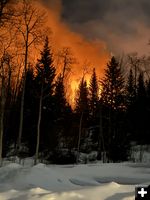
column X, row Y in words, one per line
column 89, row 53
column 95, row 29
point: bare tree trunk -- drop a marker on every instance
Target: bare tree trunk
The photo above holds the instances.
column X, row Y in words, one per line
column 16, row 88
column 23, row 96
column 21, row 117
column 79, row 139
column 101, row 137
column 141, row 153
column 2, row 124
column 38, row 127
column 109, row 134
column 2, row 108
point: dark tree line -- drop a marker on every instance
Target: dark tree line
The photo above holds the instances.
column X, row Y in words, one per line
column 109, row 114
column 37, row 120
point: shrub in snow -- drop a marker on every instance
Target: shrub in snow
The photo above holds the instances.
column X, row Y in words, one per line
column 92, row 156
column 140, row 153
column 83, row 158
column 62, row 156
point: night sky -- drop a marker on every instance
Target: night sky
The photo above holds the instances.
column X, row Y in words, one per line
column 124, row 25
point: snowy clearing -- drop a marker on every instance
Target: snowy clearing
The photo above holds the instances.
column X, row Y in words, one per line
column 72, row 182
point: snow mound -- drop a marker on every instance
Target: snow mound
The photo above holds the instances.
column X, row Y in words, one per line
column 38, row 191
column 114, row 185
column 40, row 166
column 41, row 176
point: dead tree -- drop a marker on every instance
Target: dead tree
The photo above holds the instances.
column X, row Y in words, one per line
column 5, row 77
column 29, row 23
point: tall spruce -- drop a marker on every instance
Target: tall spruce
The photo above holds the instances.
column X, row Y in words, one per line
column 141, row 110
column 148, row 110
column 60, row 111
column 60, row 98
column 112, row 93
column 82, row 101
column 28, row 136
column 46, row 70
column 112, row 98
column 82, row 111
column 63, row 124
column 131, row 104
column 95, row 112
column 45, row 84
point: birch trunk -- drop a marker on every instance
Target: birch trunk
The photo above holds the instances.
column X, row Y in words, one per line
column 23, row 95
column 2, row 108
column 79, row 139
column 101, row 137
column 38, row 127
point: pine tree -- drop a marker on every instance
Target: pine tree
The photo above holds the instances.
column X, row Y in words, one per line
column 82, row 111
column 147, row 138
column 130, row 104
column 93, row 94
column 30, row 112
column 94, row 108
column 46, row 70
column 60, row 98
column 60, row 108
column 45, row 84
column 82, row 101
column 112, row 98
column 141, row 110
column 112, row 93
column 63, row 120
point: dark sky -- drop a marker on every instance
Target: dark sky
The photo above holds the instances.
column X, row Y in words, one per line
column 123, row 24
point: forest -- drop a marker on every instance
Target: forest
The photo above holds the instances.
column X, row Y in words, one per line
column 109, row 115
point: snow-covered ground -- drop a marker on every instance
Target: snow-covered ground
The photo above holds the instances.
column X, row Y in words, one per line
column 72, row 182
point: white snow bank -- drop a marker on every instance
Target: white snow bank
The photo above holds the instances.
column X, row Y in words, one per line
column 111, row 191
column 71, row 182
column 45, row 177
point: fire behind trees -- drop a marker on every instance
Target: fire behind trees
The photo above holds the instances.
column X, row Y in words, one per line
column 109, row 115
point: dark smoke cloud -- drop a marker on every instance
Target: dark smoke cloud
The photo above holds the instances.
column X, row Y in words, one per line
column 123, row 24
column 85, row 10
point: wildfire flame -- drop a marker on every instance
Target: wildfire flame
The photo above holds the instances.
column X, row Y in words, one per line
column 93, row 53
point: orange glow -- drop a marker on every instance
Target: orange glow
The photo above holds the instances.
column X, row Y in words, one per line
column 94, row 53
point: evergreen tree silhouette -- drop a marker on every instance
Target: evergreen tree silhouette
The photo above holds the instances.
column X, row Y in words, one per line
column 45, row 88
column 113, row 100
column 82, row 101
column 141, row 110
column 94, row 107
column 112, row 93
column 93, row 94
column 29, row 132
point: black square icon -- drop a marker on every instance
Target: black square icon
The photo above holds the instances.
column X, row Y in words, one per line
column 142, row 192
